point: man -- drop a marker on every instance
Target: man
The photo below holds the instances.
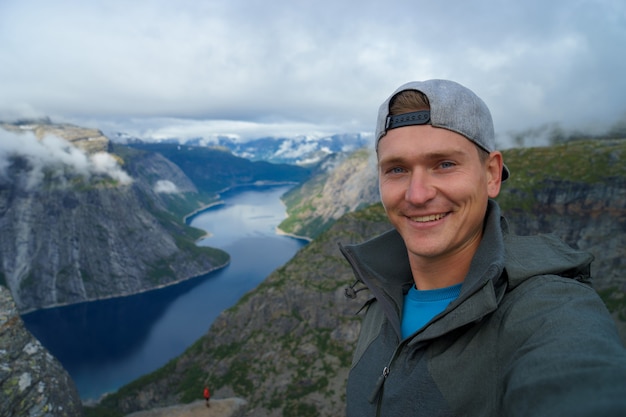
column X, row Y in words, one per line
column 464, row 318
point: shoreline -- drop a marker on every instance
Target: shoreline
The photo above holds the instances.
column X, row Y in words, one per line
column 201, row 209
column 219, row 193
column 158, row 287
column 181, row 280
column 281, row 232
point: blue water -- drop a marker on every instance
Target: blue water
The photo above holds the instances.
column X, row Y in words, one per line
column 108, row 343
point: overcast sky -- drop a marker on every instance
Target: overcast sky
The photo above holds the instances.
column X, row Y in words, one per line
column 284, row 67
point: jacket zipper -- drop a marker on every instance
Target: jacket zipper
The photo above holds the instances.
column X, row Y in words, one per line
column 379, row 385
column 377, row 393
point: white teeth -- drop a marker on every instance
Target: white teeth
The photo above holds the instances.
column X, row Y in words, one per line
column 424, row 219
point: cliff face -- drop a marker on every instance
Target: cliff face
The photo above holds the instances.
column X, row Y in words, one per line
column 32, row 382
column 343, row 184
column 590, row 217
column 68, row 237
column 578, row 192
column 62, row 247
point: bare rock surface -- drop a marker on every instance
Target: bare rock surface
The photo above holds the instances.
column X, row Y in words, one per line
column 32, row 382
column 229, row 407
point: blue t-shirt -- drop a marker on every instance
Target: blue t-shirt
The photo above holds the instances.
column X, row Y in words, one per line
column 421, row 306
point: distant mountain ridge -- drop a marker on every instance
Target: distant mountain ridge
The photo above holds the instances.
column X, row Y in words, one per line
column 301, row 150
column 216, row 169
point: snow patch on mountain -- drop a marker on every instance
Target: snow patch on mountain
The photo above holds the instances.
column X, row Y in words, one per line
column 298, row 150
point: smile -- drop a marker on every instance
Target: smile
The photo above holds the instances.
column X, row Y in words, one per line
column 429, row 218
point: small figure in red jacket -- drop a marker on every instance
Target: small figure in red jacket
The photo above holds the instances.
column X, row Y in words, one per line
column 207, row 395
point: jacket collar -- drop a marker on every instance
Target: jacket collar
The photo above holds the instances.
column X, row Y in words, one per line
column 382, row 265
column 502, row 261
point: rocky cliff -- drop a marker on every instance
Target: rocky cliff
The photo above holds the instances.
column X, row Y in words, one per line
column 32, row 382
column 576, row 190
column 286, row 346
column 78, row 222
column 343, row 183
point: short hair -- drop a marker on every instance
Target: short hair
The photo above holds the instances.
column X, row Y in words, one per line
column 408, row 101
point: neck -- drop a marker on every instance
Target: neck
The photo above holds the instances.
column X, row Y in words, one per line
column 430, row 274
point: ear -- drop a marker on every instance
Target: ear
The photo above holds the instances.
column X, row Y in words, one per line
column 494, row 166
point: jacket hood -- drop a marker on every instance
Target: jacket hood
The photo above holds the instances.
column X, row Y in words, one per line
column 527, row 256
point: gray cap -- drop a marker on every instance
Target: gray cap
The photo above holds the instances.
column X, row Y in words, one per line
column 452, row 106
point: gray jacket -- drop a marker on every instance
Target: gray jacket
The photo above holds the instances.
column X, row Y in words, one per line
column 528, row 336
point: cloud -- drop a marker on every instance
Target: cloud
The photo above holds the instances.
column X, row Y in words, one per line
column 212, row 130
column 55, row 159
column 104, row 163
column 165, row 187
column 310, row 65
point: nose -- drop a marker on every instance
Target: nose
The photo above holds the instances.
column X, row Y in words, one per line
column 420, row 189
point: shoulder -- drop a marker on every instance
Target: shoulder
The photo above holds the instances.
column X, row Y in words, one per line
column 556, row 332
column 546, row 254
column 556, row 309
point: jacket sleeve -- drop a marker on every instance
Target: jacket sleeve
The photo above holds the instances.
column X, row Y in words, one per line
column 564, row 356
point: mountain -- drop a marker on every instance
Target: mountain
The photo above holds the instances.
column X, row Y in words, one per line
column 576, row 190
column 286, row 346
column 216, row 169
column 343, row 183
column 82, row 218
column 32, row 382
column 301, row 150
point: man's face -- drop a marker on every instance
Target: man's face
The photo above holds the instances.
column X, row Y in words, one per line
column 435, row 188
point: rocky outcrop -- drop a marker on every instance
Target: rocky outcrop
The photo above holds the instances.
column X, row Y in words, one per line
column 344, row 183
column 32, row 382
column 60, row 247
column 590, row 217
column 89, row 140
column 229, row 407
column 577, row 191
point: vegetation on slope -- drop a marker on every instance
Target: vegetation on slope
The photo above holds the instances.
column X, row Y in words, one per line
column 583, row 161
